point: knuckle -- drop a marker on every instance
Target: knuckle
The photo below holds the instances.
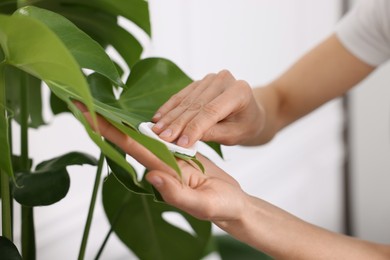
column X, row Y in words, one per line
column 185, row 103
column 243, row 90
column 208, row 76
column 194, row 127
column 211, row 110
column 176, row 98
column 223, row 74
column 196, row 105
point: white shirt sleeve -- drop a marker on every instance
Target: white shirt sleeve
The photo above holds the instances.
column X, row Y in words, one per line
column 365, row 31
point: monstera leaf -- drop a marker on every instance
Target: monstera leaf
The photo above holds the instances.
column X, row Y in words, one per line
column 156, row 238
column 30, row 46
column 99, row 19
column 50, row 181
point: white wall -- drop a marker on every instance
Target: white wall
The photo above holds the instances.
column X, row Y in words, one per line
column 255, row 39
column 370, row 155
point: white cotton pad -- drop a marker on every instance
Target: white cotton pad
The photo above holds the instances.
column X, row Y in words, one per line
column 146, row 129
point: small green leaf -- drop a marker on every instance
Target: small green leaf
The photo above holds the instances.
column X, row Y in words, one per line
column 197, row 162
column 8, row 250
column 156, row 238
column 42, row 188
column 50, row 182
column 72, row 158
column 216, row 147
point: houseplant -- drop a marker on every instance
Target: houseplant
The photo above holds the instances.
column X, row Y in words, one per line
column 41, row 45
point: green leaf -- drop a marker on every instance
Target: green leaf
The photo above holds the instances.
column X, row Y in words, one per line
column 191, row 159
column 232, row 249
column 155, row 238
column 216, row 147
column 107, row 30
column 151, row 83
column 8, row 6
column 18, row 164
column 72, row 158
column 50, row 182
column 87, row 52
column 105, row 147
column 124, row 177
column 58, row 105
column 136, row 11
column 8, row 250
column 41, row 189
column 30, row 46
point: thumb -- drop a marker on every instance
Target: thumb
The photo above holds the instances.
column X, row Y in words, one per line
column 168, row 186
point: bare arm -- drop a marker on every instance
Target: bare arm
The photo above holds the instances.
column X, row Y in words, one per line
column 326, row 72
column 223, row 109
column 218, row 198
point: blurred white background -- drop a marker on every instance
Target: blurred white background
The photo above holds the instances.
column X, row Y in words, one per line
column 299, row 171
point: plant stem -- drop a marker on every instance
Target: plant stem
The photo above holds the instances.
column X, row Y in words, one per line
column 28, row 231
column 87, row 227
column 113, row 224
column 5, row 191
column 6, row 206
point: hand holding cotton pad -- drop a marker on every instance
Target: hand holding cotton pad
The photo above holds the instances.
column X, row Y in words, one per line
column 146, row 129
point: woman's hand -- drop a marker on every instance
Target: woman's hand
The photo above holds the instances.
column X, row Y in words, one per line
column 217, row 108
column 213, row 195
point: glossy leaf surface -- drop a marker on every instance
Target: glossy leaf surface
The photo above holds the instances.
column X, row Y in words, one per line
column 156, row 238
column 32, row 47
column 8, row 250
column 87, row 52
column 50, row 182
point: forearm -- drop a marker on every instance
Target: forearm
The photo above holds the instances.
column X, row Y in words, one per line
column 283, row 236
column 326, row 72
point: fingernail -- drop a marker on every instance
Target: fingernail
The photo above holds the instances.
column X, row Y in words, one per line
column 166, row 133
column 157, row 116
column 159, row 125
column 156, row 181
column 183, row 141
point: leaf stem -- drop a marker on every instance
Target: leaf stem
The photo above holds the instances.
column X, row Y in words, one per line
column 5, row 190
column 113, row 225
column 28, row 230
column 6, row 206
column 87, row 227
